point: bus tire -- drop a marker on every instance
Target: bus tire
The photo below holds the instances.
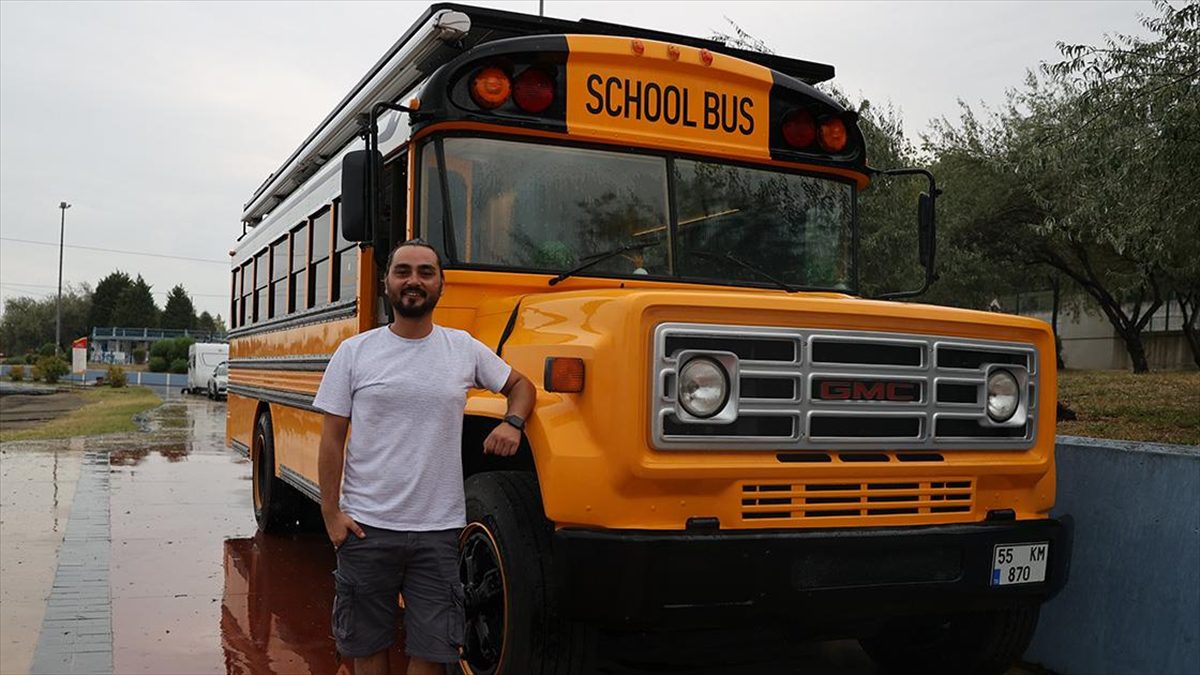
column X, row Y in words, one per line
column 507, row 539
column 277, row 505
column 979, row 643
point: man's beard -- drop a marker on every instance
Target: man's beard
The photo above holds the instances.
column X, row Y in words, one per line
column 415, row 310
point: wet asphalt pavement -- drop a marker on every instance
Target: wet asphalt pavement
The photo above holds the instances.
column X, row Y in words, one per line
column 173, row 578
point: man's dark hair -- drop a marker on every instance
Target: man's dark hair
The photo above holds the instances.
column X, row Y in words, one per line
column 414, row 242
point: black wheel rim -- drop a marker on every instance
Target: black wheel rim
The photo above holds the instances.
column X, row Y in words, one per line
column 482, row 575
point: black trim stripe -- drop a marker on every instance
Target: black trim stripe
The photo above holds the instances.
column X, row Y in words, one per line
column 287, row 398
column 304, row 485
column 325, row 314
column 300, row 363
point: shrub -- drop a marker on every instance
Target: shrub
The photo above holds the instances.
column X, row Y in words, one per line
column 179, row 366
column 161, row 350
column 47, row 349
column 14, row 361
column 31, row 359
column 115, row 377
column 16, row 373
column 158, row 364
column 50, row 368
column 139, row 355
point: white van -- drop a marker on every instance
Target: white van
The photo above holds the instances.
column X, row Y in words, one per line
column 203, row 358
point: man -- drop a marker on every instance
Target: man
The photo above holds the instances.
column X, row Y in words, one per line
column 401, row 506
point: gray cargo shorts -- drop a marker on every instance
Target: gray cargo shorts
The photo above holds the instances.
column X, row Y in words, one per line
column 370, row 575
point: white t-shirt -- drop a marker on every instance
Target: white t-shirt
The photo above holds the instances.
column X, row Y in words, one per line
column 405, row 400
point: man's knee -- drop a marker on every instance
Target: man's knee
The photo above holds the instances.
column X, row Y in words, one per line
column 375, row 664
column 420, row 666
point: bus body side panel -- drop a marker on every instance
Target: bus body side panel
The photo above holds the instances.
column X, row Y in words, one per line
column 297, row 439
column 239, row 420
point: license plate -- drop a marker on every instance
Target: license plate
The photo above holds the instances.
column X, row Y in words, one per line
column 1020, row 563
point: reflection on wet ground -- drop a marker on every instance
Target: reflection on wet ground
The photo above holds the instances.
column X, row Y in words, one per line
column 276, row 607
column 195, row 589
column 37, row 484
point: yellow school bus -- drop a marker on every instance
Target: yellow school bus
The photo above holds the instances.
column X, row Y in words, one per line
column 662, row 232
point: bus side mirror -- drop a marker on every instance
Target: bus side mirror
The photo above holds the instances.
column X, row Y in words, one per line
column 359, row 171
column 926, row 230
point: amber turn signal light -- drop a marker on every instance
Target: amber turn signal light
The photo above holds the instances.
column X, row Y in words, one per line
column 490, row 88
column 564, row 375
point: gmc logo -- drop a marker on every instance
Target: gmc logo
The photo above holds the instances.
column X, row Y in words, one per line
column 846, row 390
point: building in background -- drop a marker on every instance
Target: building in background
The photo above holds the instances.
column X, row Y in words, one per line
column 1089, row 341
column 116, row 345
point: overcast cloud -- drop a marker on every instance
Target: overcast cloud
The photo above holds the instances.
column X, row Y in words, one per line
column 156, row 121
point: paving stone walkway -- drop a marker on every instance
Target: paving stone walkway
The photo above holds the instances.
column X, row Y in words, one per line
column 76, row 635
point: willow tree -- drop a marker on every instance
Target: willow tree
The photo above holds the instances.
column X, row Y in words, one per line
column 1093, row 169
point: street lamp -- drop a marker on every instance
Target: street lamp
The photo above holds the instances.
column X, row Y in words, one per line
column 62, row 226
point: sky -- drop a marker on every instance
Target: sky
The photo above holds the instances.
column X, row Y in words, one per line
column 156, row 121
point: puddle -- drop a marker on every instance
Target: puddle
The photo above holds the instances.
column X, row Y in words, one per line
column 276, row 605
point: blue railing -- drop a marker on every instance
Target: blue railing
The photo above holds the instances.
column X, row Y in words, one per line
column 119, row 333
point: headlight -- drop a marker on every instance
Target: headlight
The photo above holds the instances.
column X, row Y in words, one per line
column 703, row 387
column 1003, row 395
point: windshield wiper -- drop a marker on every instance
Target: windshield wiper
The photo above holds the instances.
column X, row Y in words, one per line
column 744, row 265
column 597, row 258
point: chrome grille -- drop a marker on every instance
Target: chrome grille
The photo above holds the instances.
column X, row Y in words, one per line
column 834, row 390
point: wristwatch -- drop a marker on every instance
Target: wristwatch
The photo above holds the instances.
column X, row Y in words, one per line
column 516, row 422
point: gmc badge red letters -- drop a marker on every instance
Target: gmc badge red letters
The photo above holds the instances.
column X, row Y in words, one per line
column 839, row 390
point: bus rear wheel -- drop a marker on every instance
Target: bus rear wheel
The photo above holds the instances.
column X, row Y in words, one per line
column 277, row 505
column 979, row 643
column 506, row 565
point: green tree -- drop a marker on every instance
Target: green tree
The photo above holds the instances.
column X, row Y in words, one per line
column 135, row 308
column 28, row 323
column 179, row 311
column 205, row 322
column 213, row 325
column 1150, row 90
column 104, row 299
column 1090, row 171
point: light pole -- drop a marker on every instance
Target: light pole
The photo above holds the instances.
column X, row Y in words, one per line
column 62, row 226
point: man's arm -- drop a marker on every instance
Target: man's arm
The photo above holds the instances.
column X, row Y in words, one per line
column 330, row 462
column 505, row 438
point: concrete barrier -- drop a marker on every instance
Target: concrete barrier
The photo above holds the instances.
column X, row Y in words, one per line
column 1132, row 603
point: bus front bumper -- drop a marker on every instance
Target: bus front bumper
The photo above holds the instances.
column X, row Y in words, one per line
column 691, row 579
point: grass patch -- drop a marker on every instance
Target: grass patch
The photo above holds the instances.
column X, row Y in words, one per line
column 107, row 411
column 1161, row 407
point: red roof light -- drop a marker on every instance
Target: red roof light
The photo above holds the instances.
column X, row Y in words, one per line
column 534, row 90
column 799, row 129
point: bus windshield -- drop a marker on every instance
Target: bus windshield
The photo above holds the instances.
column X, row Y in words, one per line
column 551, row 208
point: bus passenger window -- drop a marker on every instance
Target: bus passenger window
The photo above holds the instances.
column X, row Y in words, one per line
column 279, row 266
column 319, row 267
column 260, row 286
column 345, row 266
column 235, row 293
column 245, row 309
column 299, row 290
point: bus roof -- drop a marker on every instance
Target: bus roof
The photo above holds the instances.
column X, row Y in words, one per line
column 485, row 25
